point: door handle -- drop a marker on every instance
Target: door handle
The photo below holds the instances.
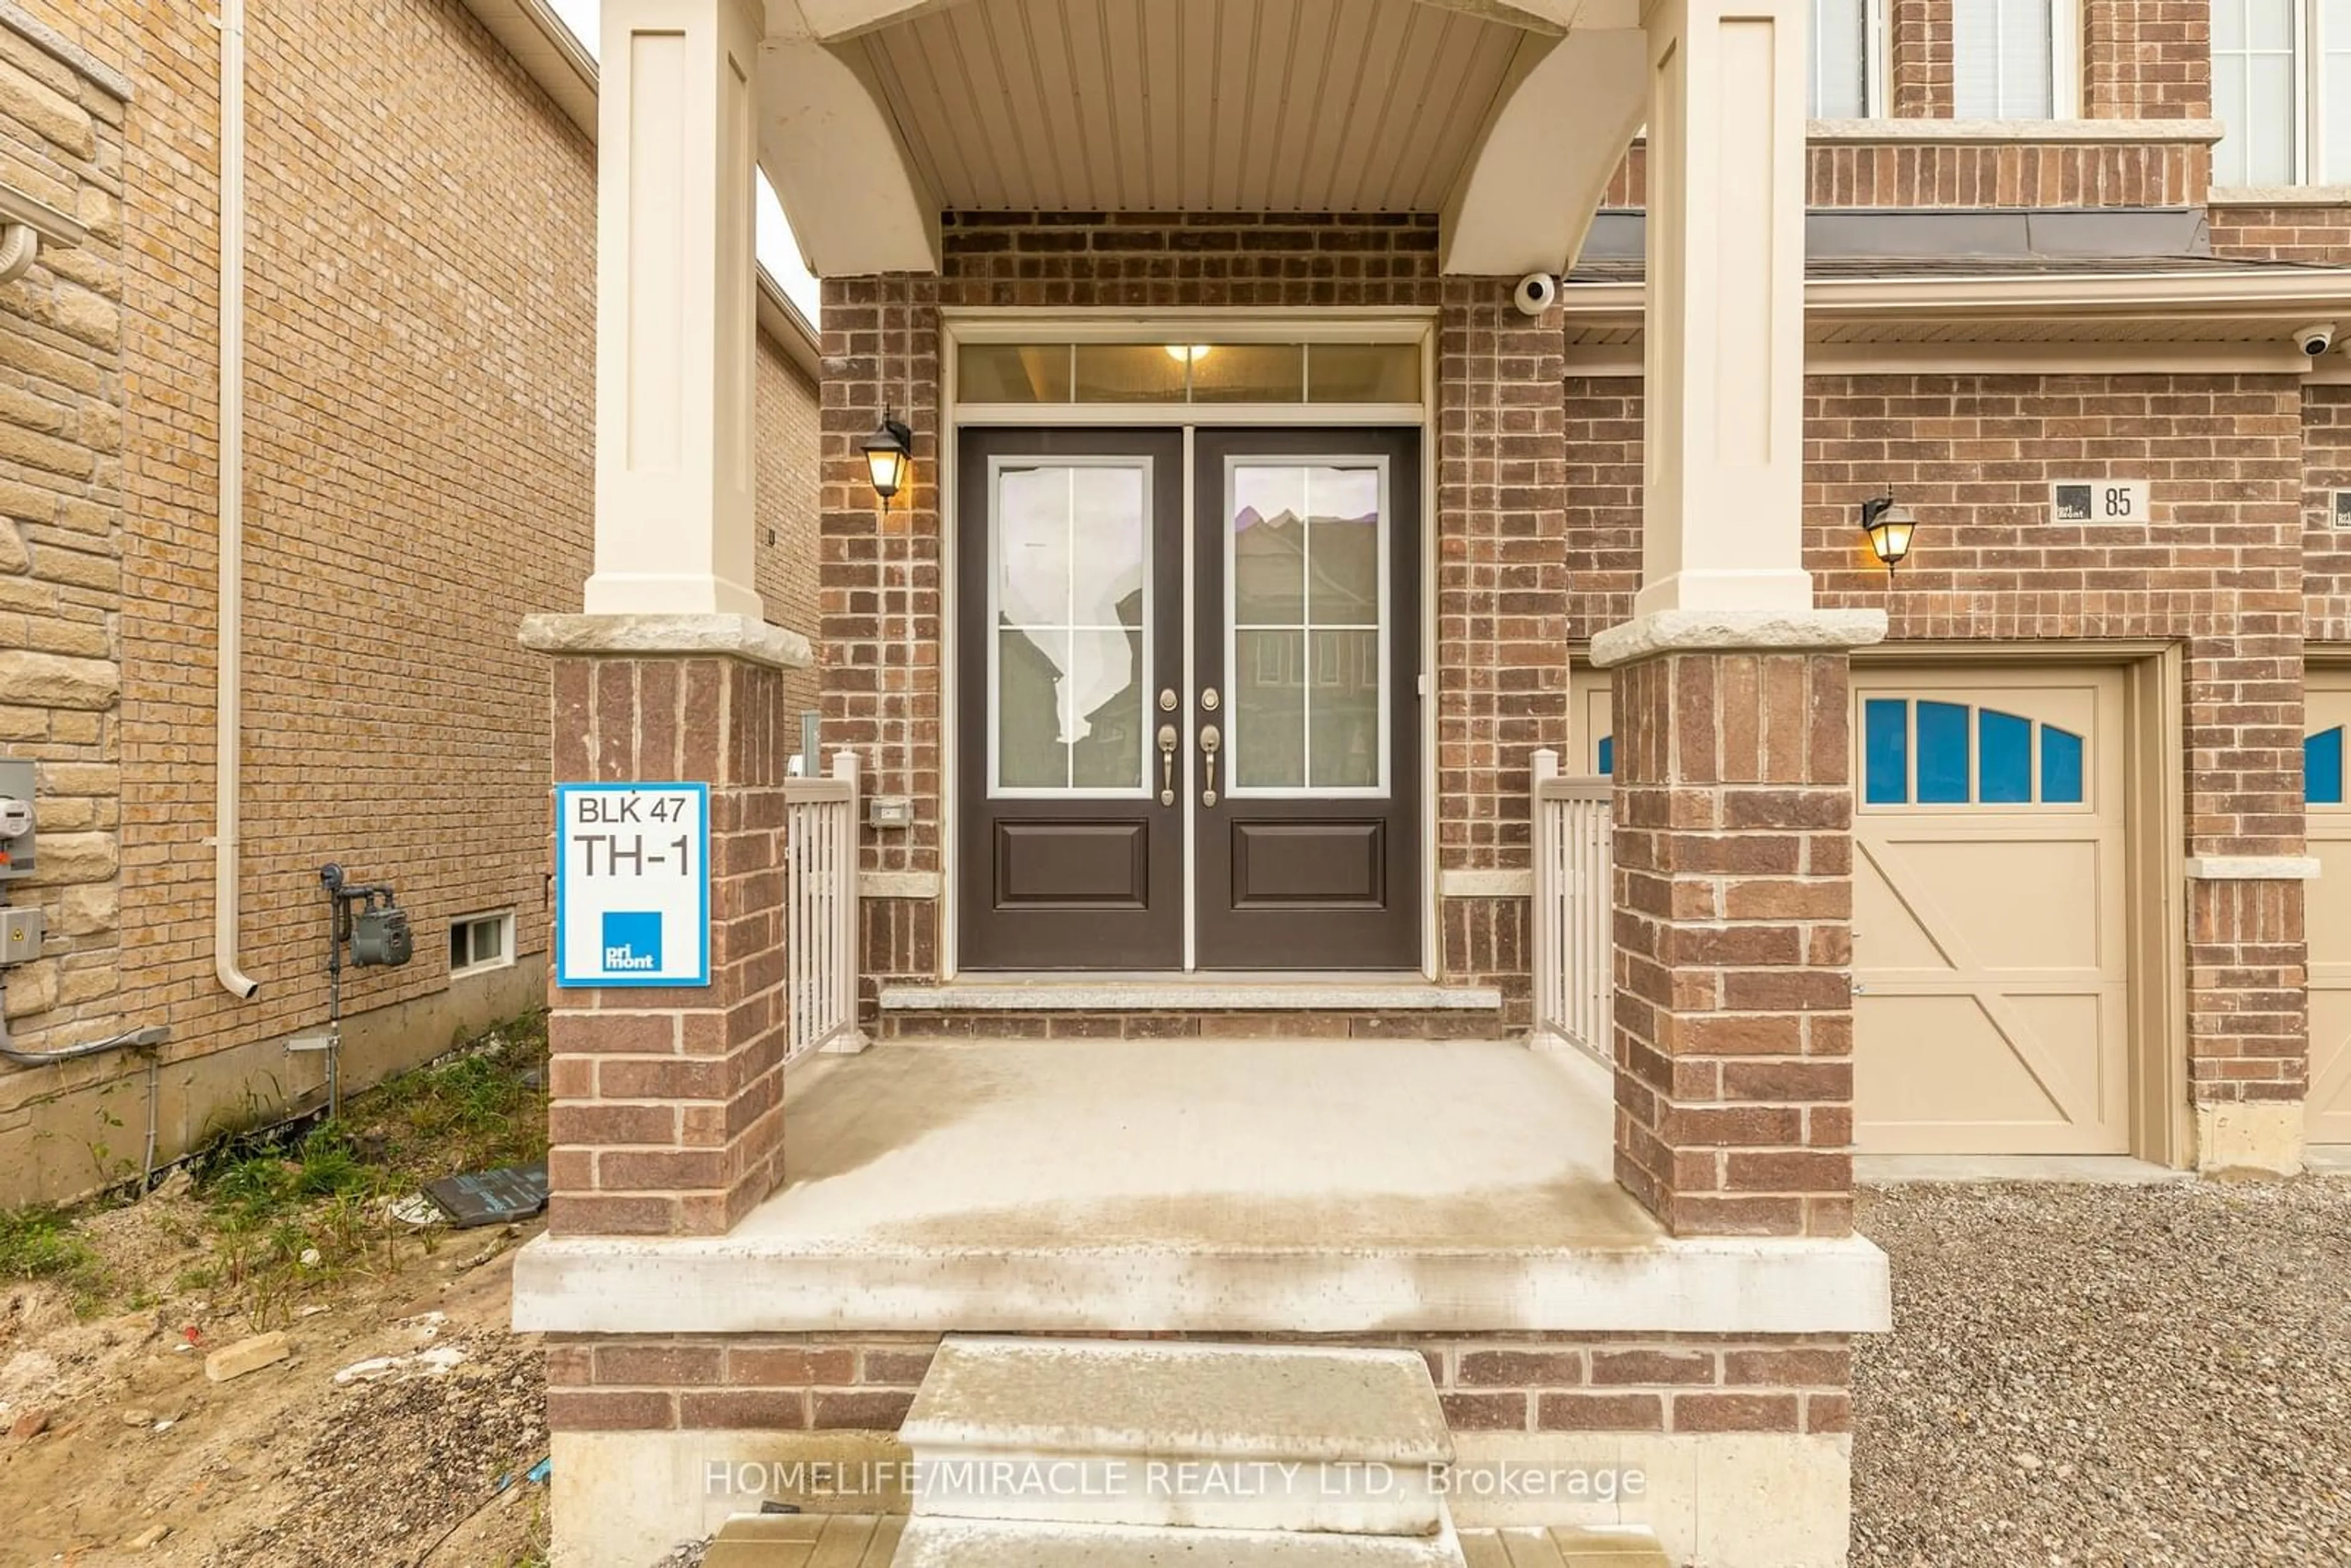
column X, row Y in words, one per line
column 1167, row 742
column 1209, row 741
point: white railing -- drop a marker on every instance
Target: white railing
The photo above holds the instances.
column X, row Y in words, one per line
column 820, row 909
column 1574, row 931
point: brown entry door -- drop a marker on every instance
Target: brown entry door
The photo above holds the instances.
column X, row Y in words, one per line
column 1303, row 713
column 1069, row 587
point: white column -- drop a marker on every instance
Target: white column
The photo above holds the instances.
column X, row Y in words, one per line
column 674, row 308
column 1722, row 519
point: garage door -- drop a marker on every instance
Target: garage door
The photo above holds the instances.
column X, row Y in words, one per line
column 2328, row 909
column 1990, row 922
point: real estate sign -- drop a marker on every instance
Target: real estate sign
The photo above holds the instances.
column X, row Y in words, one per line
column 632, row 884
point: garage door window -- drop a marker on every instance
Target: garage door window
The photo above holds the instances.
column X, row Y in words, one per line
column 2321, row 768
column 1951, row 754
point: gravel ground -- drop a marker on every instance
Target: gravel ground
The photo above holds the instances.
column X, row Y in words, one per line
column 2142, row 1376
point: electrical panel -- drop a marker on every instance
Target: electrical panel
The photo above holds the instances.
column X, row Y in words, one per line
column 15, row 818
column 20, row 936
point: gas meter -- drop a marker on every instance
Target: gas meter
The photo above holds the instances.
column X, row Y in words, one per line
column 382, row 935
column 15, row 818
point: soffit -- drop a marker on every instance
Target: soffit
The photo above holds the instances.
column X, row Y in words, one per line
column 1191, row 105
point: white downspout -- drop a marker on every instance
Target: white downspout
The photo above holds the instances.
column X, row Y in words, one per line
column 228, row 716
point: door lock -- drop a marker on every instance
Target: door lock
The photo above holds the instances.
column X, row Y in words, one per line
column 1167, row 742
column 1167, row 699
column 1208, row 699
column 1209, row 741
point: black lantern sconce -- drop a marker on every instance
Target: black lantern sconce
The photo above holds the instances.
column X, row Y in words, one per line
column 889, row 452
column 1889, row 527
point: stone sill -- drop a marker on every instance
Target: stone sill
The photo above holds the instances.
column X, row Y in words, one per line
column 1194, row 993
column 1923, row 132
column 2279, row 196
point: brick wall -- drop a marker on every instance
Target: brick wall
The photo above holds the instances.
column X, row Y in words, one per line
column 1918, row 59
column 1969, row 174
column 1503, row 680
column 61, row 499
column 1547, row 1383
column 2145, row 59
column 2320, row 236
column 786, row 547
column 2219, row 568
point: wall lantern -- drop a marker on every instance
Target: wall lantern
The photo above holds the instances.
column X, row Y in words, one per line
column 1889, row 526
column 889, row 452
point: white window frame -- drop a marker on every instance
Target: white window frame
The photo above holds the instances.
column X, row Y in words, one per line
column 505, row 918
column 2065, row 67
column 1380, row 790
column 1144, row 789
column 1876, row 62
column 2307, row 119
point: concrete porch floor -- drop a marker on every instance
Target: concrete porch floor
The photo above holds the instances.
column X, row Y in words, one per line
column 1322, row 1186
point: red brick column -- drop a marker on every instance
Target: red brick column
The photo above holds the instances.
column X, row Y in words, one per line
column 667, row 1104
column 1734, row 937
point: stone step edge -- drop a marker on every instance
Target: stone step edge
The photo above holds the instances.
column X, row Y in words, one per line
column 1179, row 996
column 930, row 1542
column 964, row 1408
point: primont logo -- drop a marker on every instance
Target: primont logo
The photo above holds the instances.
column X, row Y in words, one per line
column 633, row 941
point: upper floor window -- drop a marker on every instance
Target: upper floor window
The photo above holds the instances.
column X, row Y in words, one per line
column 2014, row 59
column 2281, row 86
column 1847, row 74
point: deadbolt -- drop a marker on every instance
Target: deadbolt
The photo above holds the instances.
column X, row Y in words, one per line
column 1208, row 700
column 1167, row 699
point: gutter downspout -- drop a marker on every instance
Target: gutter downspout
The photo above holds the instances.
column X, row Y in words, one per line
column 229, row 707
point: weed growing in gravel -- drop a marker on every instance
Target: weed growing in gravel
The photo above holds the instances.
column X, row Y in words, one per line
column 41, row 1244
column 287, row 1208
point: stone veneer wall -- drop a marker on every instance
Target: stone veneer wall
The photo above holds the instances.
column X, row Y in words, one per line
column 2220, row 568
column 1501, row 668
column 61, row 502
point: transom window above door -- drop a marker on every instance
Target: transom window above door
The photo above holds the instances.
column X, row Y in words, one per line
column 1031, row 374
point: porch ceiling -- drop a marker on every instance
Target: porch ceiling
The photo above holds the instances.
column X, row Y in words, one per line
column 1504, row 116
column 1180, row 105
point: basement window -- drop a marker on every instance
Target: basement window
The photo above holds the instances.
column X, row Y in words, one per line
column 479, row 942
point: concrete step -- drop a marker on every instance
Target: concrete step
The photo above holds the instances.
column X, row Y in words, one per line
column 934, row 1542
column 1151, row 1433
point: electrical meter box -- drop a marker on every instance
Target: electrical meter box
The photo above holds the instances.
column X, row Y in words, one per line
column 381, row 937
column 15, row 817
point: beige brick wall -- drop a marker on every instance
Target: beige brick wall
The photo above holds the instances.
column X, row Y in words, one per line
column 785, row 547
column 420, row 450
column 61, row 500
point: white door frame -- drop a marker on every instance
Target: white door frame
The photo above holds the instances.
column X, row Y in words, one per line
column 959, row 326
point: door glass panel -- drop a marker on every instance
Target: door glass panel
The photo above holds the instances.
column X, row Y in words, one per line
column 1310, row 709
column 1270, row 691
column 1071, row 583
column 1344, row 750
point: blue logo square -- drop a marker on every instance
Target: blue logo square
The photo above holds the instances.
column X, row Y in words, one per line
column 632, row 942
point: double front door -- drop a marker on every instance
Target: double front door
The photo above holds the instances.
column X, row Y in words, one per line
column 1187, row 699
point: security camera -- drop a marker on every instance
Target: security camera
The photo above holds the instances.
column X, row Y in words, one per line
column 1537, row 292
column 2315, row 339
